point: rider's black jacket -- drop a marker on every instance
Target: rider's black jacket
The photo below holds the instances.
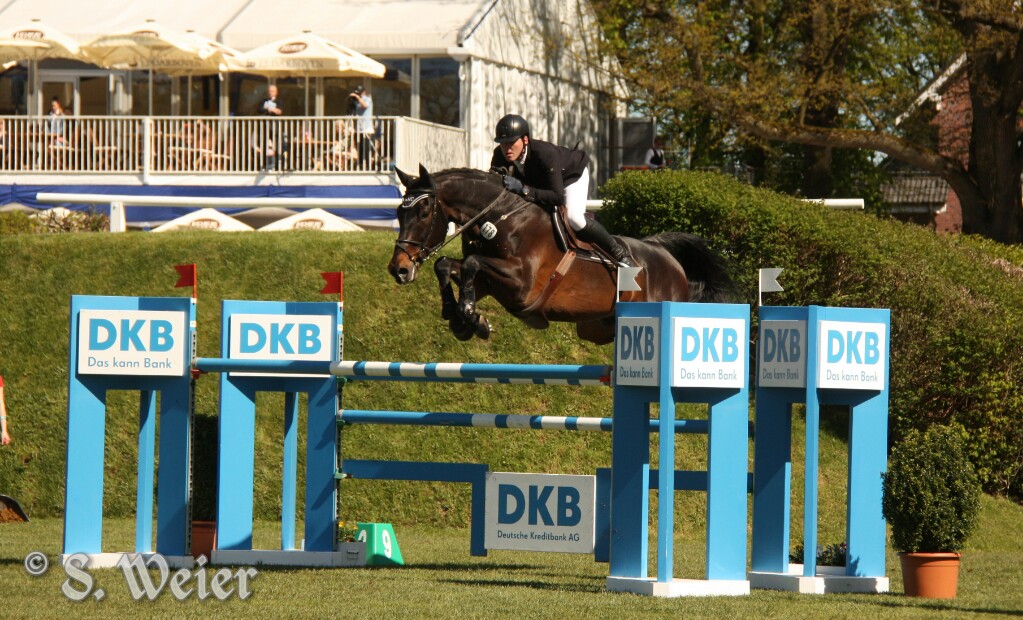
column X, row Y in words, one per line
column 546, row 172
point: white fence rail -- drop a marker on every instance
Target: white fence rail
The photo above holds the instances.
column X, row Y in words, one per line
column 236, row 145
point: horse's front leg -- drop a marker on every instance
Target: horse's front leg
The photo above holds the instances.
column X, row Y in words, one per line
column 467, row 296
column 448, row 270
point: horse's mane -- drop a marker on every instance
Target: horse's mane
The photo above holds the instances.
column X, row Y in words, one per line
column 476, row 183
column 467, row 174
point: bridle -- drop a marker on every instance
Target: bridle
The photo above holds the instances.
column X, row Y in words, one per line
column 402, row 244
column 426, row 252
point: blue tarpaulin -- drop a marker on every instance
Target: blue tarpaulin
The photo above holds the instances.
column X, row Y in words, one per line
column 26, row 195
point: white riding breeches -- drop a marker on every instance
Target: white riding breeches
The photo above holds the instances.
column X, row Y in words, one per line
column 575, row 200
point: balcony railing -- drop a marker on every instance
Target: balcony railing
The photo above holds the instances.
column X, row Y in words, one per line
column 214, row 145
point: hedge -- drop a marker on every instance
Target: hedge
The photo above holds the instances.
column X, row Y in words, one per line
column 956, row 301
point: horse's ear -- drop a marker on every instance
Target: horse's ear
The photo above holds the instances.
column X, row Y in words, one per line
column 405, row 179
column 424, row 174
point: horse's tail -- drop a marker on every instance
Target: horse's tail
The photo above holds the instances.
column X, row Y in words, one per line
column 707, row 271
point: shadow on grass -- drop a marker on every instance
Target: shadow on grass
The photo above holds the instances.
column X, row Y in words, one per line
column 532, row 585
column 911, row 602
column 464, row 566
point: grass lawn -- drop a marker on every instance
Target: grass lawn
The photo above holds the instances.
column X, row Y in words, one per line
column 441, row 580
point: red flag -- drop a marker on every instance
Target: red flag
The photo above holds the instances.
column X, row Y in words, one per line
column 335, row 283
column 187, row 275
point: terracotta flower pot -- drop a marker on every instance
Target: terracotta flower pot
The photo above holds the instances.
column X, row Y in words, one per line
column 204, row 538
column 930, row 575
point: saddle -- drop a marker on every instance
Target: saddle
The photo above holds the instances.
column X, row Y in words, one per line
column 573, row 247
column 568, row 241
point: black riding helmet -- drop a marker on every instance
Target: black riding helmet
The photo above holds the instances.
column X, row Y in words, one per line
column 510, row 128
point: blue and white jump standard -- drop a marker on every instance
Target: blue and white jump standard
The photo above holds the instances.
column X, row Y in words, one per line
column 668, row 353
column 130, row 343
column 260, row 340
column 818, row 356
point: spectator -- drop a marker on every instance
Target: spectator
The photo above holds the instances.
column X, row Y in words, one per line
column 5, row 436
column 654, row 159
column 55, row 125
column 271, row 107
column 363, row 108
column 342, row 152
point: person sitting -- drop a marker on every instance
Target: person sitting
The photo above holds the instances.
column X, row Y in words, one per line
column 343, row 153
column 550, row 176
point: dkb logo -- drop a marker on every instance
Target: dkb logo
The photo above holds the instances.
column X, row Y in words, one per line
column 131, row 335
column 710, row 344
column 852, row 355
column 280, row 336
column 512, row 505
column 781, row 345
column 131, row 342
column 853, row 347
column 637, row 342
column 782, row 353
column 709, row 352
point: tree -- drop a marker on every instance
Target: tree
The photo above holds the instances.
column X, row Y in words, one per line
column 829, row 74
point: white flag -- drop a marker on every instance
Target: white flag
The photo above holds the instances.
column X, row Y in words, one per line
column 627, row 279
column 769, row 280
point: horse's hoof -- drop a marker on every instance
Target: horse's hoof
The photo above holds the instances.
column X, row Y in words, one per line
column 461, row 330
column 483, row 328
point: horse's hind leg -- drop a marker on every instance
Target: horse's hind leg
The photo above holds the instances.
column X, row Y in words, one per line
column 600, row 331
column 447, row 270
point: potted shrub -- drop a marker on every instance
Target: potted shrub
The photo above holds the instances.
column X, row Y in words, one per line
column 931, row 498
column 204, row 485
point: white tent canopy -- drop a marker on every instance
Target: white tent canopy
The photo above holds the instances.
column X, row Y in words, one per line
column 369, row 26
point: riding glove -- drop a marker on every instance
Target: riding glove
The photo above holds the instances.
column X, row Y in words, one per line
column 514, row 185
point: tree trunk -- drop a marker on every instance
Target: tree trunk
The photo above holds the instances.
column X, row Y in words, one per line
column 996, row 209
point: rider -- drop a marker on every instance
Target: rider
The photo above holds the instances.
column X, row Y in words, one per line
column 550, row 175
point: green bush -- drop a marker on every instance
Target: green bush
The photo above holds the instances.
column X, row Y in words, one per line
column 931, row 496
column 16, row 223
column 956, row 302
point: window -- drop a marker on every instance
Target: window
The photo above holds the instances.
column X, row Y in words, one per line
column 392, row 95
column 439, row 91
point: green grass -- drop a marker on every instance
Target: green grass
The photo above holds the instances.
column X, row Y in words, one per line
column 38, row 273
column 441, row 580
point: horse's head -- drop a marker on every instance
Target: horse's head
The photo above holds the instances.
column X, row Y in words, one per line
column 421, row 226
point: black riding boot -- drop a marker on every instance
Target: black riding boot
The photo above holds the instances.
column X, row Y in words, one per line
column 596, row 234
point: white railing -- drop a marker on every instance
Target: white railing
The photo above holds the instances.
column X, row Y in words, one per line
column 236, row 145
column 435, row 146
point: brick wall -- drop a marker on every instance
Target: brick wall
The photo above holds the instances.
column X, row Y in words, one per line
column 953, row 121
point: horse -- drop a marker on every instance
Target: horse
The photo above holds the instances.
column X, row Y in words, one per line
column 513, row 252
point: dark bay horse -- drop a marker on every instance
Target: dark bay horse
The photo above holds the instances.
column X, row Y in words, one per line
column 512, row 252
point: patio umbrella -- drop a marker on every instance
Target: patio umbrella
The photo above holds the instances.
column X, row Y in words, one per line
column 308, row 55
column 33, row 42
column 224, row 56
column 153, row 47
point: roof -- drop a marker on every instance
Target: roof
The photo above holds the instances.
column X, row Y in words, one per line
column 915, row 188
column 370, row 26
